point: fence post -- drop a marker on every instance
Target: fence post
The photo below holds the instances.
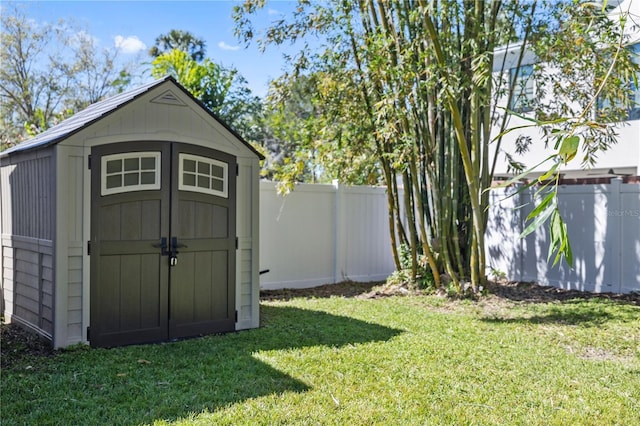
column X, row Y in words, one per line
column 338, row 240
column 517, row 202
column 613, row 210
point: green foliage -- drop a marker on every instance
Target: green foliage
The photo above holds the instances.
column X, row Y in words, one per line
column 559, row 239
column 584, row 60
column 497, row 274
column 313, row 134
column 386, row 85
column 595, row 69
column 423, row 278
column 41, row 121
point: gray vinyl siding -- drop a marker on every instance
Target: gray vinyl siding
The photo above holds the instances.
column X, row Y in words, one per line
column 27, row 197
column 28, row 283
column 247, row 297
column 27, row 217
column 245, row 302
column 75, row 164
column 74, row 300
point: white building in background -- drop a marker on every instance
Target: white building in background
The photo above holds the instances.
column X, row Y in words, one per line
column 602, row 215
column 620, row 159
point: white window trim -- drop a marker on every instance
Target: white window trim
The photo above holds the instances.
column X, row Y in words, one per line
column 225, row 175
column 518, row 91
column 123, row 156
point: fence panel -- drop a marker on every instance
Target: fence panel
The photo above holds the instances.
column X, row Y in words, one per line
column 627, row 218
column 364, row 245
column 603, row 222
column 321, row 234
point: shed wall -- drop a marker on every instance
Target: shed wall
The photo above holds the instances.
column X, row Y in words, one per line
column 70, row 245
column 248, row 288
column 27, row 197
column 26, row 242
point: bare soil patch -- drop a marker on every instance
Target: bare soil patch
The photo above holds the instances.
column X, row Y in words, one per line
column 497, row 292
column 598, row 354
column 533, row 293
column 18, row 344
column 343, row 289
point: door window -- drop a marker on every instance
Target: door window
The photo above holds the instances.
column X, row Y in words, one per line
column 131, row 171
column 202, row 174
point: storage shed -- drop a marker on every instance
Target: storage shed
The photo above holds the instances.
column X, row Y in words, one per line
column 133, row 221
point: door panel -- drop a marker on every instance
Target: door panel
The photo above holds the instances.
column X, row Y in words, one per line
column 136, row 295
column 202, row 290
column 129, row 276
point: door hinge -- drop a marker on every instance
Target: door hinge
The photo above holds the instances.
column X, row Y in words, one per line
column 88, row 248
column 236, row 316
column 236, row 243
column 89, row 163
column 88, row 333
column 237, row 169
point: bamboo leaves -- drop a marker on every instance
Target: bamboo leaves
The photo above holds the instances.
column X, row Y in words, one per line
column 569, row 148
column 541, row 213
column 548, row 207
column 559, row 242
column 559, row 239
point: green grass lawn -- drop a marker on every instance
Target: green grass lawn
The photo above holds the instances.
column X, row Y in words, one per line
column 348, row 361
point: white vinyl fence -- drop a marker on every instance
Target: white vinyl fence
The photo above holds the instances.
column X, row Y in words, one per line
column 603, row 223
column 321, row 234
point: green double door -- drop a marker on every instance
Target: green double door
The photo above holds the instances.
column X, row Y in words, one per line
column 162, row 245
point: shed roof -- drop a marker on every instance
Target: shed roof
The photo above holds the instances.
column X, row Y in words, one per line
column 99, row 110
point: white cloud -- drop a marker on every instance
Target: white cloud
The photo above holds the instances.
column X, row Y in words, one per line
column 274, row 12
column 224, row 46
column 130, row 44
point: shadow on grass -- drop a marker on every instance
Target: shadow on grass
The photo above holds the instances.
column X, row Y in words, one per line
column 140, row 384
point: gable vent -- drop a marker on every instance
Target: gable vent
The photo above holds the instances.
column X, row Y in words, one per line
column 169, row 98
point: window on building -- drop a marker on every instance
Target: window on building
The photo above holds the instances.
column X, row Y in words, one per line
column 201, row 174
column 523, row 89
column 131, row 171
column 633, row 112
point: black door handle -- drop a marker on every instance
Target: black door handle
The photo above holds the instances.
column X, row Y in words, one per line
column 163, row 246
column 172, row 251
column 175, row 246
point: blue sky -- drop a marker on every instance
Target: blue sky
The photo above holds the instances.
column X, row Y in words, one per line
column 134, row 25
